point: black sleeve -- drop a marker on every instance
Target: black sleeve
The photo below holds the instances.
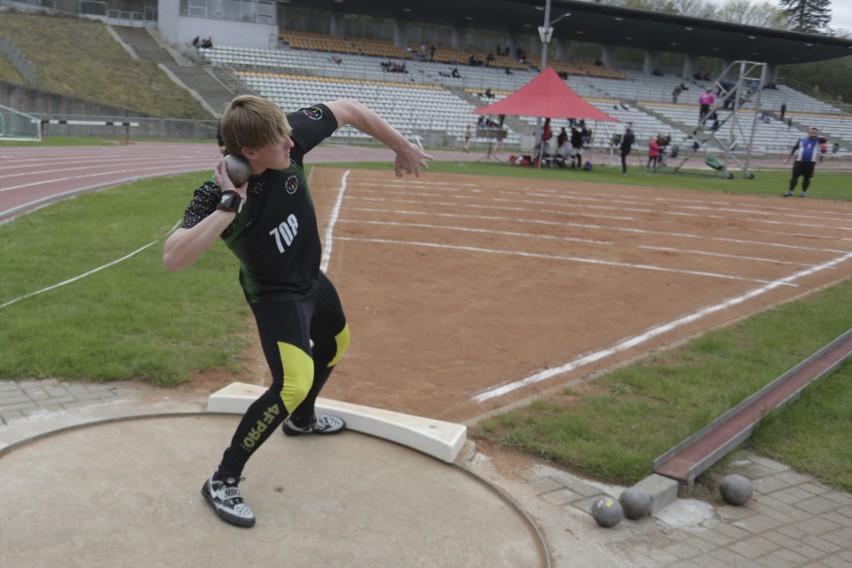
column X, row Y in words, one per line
column 310, row 127
column 203, row 203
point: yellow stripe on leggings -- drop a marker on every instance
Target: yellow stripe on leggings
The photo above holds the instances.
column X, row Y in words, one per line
column 342, row 340
column 298, row 375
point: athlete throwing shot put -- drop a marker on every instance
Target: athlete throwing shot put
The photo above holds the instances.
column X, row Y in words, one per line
column 270, row 225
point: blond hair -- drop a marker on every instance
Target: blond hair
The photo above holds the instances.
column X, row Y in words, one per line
column 253, row 122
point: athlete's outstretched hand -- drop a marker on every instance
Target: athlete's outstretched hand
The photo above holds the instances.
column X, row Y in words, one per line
column 410, row 160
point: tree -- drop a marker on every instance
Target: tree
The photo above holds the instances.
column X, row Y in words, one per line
column 762, row 14
column 812, row 16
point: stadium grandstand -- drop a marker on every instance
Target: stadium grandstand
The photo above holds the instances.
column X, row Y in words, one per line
column 427, row 65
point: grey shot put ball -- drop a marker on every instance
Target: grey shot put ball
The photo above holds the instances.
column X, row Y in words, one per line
column 238, row 169
column 607, row 512
column 635, row 502
column 735, row 489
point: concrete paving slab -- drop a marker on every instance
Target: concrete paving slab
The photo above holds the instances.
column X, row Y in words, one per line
column 127, row 493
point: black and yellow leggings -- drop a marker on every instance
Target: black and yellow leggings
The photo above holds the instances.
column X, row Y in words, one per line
column 302, row 341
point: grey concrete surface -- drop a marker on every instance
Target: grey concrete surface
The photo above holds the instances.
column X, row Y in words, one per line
column 110, row 494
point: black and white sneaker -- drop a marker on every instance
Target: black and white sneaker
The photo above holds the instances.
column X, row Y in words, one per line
column 321, row 424
column 225, row 498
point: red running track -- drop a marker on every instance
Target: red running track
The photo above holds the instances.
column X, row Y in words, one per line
column 32, row 177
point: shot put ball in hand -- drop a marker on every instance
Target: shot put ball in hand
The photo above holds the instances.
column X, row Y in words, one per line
column 238, row 169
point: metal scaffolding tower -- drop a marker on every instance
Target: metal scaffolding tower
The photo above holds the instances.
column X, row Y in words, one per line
column 732, row 95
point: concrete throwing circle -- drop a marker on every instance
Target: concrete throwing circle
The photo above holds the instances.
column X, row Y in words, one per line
column 127, row 493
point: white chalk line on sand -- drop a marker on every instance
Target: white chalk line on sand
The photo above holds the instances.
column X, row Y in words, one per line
column 332, row 221
column 559, row 257
column 653, row 332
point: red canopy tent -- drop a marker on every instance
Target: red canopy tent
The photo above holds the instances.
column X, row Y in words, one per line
column 546, row 96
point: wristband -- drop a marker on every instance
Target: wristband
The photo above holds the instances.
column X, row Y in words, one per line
column 230, row 202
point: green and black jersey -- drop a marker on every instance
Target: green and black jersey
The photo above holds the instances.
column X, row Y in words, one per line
column 275, row 236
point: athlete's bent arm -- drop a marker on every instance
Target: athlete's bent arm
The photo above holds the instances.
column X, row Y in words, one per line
column 184, row 246
column 409, row 157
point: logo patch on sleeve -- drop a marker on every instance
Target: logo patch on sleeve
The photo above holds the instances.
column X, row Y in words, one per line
column 292, row 184
column 314, row 113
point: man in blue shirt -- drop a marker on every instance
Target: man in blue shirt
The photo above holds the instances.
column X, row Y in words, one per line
column 806, row 151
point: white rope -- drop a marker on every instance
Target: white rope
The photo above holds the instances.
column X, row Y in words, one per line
column 89, row 273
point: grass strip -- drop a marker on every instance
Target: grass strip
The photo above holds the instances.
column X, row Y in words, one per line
column 134, row 320
column 613, row 427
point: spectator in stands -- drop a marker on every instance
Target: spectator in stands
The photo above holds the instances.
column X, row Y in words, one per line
column 627, row 140
column 302, row 326
column 677, row 91
column 336, row 60
column 806, row 152
column 509, row 71
column 705, row 100
column 783, row 111
column 716, row 122
column 468, row 137
column 454, row 73
column 196, row 42
column 432, row 53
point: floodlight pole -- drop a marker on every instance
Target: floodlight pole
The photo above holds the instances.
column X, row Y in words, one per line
column 545, row 32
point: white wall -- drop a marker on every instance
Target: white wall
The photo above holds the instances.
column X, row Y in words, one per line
column 181, row 30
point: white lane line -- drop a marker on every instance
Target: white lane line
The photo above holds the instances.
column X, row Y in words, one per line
column 597, row 227
column 473, row 230
column 723, row 255
column 490, row 207
column 178, row 167
column 653, row 332
column 47, row 200
column 557, row 257
column 329, row 230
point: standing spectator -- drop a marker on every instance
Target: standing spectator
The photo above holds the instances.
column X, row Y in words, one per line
column 468, row 137
column 704, row 102
column 806, row 151
column 546, row 132
column 627, row 140
column 270, row 225
column 653, row 154
column 783, row 111
column 577, row 146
